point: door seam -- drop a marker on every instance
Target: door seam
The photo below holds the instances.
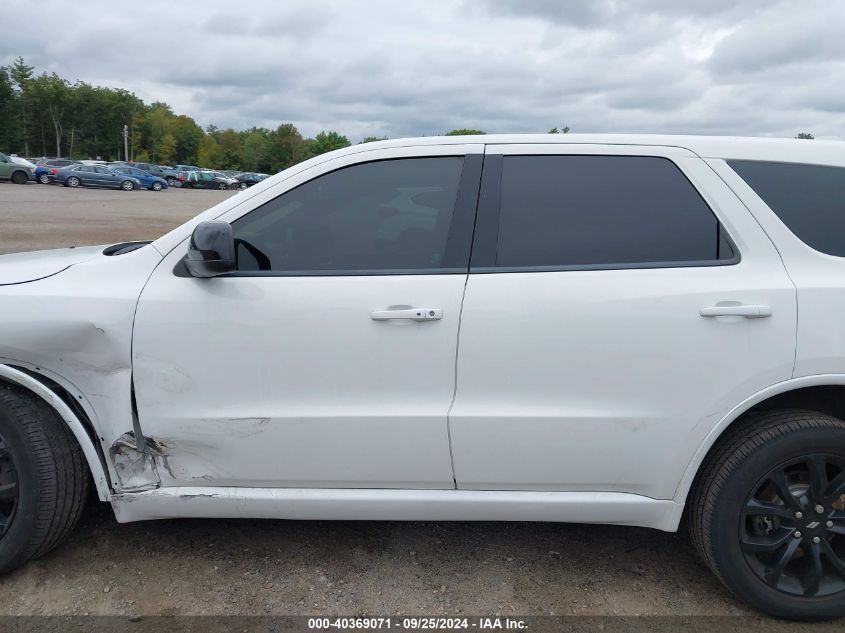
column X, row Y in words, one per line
column 455, row 389
column 460, row 323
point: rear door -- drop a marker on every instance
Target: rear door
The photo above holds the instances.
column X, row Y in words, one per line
column 621, row 301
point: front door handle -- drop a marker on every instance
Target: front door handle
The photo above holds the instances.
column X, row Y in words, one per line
column 408, row 314
column 748, row 311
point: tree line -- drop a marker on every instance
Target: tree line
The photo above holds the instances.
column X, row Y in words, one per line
column 48, row 116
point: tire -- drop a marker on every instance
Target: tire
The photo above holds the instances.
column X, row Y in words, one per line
column 768, row 503
column 187, row 185
column 222, row 186
column 19, row 178
column 171, row 181
column 156, row 186
column 49, row 471
column 73, row 181
column 127, row 185
column 44, row 179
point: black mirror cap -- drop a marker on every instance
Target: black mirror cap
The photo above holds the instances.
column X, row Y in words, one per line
column 212, row 250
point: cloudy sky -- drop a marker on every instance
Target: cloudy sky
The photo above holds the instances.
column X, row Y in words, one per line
column 391, row 68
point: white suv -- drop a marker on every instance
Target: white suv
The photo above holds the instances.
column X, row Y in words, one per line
column 534, row 328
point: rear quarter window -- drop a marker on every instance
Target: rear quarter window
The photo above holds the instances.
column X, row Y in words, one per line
column 808, row 199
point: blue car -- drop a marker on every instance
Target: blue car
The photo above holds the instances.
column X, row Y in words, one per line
column 46, row 170
column 147, row 179
column 42, row 174
column 95, row 176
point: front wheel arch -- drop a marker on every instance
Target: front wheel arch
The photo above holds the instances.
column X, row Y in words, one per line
column 81, row 431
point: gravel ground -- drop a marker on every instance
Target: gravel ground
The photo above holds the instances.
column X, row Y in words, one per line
column 194, row 567
column 51, row 216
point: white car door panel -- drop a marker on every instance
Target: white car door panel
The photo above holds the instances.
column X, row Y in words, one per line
column 609, row 377
column 317, row 377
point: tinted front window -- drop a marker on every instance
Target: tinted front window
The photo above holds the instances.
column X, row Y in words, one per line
column 809, row 199
column 559, row 211
column 380, row 216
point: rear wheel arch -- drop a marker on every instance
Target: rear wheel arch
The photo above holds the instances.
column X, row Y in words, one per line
column 77, row 421
column 821, row 393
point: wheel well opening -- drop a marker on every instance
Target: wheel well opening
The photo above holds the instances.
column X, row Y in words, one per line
column 71, row 402
column 828, row 399
column 66, row 397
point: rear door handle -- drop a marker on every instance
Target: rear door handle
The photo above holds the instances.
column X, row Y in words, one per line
column 408, row 314
column 749, row 311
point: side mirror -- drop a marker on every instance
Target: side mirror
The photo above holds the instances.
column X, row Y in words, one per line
column 212, row 250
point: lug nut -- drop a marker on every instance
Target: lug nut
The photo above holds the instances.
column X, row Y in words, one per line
column 816, row 539
column 829, row 524
column 799, row 515
column 797, row 534
column 819, row 509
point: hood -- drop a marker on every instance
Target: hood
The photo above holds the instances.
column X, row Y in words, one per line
column 19, row 268
column 22, row 161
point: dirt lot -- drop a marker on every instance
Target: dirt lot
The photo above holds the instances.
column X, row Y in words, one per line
column 50, row 216
column 275, row 567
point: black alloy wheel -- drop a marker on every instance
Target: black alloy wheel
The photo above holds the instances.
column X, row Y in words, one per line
column 792, row 529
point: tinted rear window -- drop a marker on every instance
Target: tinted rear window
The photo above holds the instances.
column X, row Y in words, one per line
column 809, row 199
column 562, row 211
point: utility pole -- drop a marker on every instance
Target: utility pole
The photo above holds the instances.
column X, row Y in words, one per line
column 126, row 142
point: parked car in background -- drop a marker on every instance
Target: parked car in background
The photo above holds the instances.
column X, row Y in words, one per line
column 182, row 172
column 249, row 179
column 25, row 162
column 229, row 180
column 166, row 173
column 206, row 180
column 47, row 168
column 147, row 179
column 96, row 176
column 14, row 171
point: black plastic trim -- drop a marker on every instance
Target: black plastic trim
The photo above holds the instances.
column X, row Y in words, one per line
column 709, row 263
column 124, row 247
column 338, row 273
column 485, row 240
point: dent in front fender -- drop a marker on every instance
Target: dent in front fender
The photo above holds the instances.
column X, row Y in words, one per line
column 76, row 328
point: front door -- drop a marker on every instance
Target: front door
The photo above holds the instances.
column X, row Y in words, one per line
column 328, row 359
column 621, row 301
